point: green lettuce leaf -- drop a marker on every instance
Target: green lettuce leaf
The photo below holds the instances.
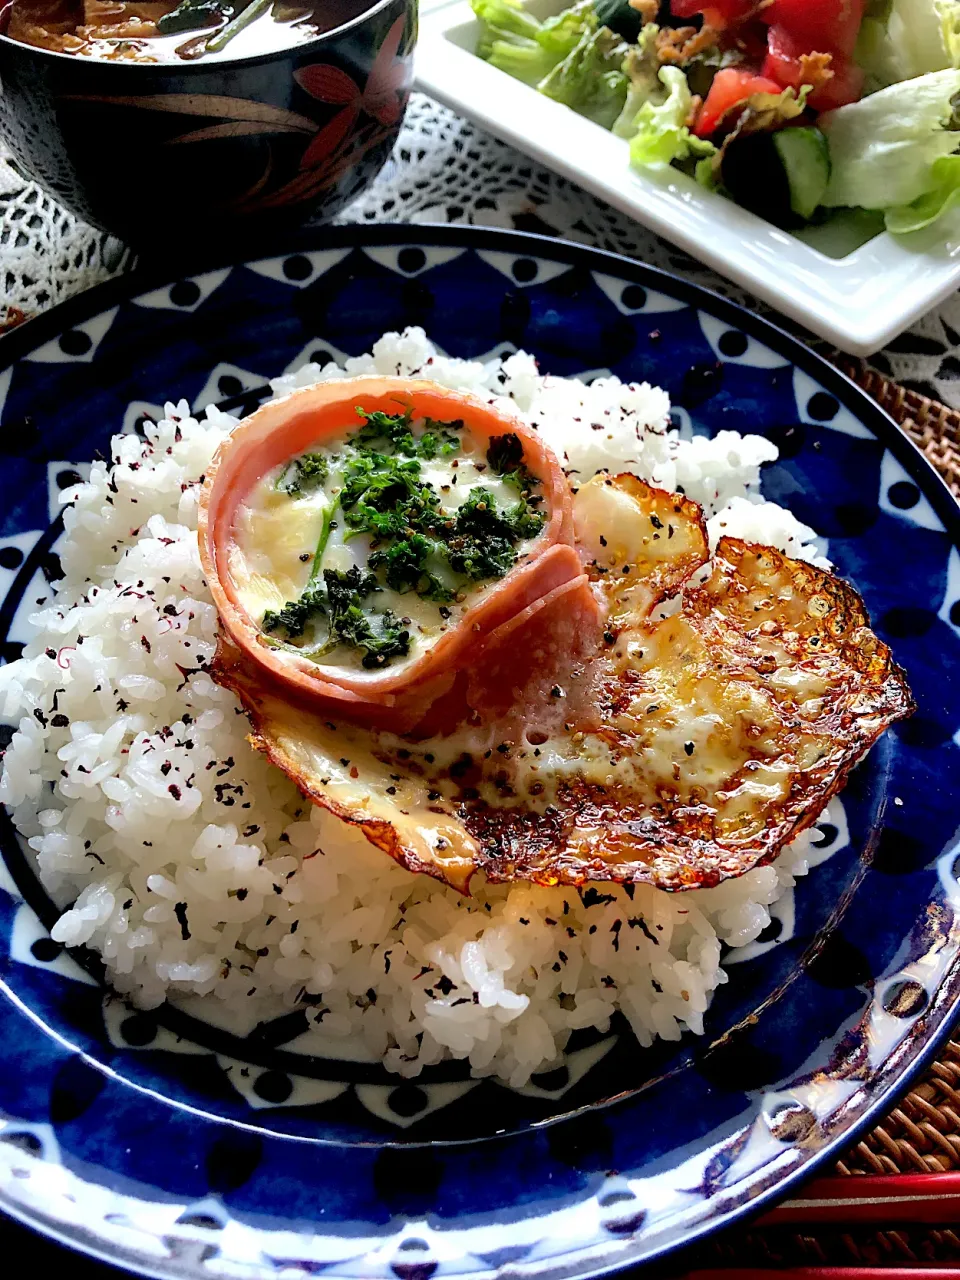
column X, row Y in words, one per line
column 503, row 19
column 949, row 11
column 901, row 39
column 590, row 79
column 943, row 195
column 640, row 67
column 516, row 42
column 765, row 112
column 883, row 148
column 707, row 174
column 662, row 135
column 561, row 34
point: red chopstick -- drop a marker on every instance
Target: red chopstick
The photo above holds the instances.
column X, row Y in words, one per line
column 889, row 1198
column 825, row 1273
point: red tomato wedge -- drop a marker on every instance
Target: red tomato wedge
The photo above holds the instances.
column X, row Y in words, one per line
column 716, row 13
column 393, row 698
column 844, row 87
column 824, row 26
column 730, row 87
column 783, row 64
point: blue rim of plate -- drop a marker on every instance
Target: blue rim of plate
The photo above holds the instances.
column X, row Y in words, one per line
column 941, row 1010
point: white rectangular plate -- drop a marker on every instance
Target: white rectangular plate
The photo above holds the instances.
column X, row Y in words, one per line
column 859, row 302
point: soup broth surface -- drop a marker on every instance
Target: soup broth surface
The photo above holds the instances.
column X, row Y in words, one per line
column 152, row 31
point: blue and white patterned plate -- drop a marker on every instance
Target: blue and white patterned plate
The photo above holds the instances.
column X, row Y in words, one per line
column 161, row 1143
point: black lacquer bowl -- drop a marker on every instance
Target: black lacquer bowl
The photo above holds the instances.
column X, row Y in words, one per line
column 168, row 156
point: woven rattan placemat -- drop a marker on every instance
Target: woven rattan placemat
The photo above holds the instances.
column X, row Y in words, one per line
column 933, row 427
column 922, row 1133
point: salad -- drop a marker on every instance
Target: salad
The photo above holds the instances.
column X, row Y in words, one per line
column 799, row 110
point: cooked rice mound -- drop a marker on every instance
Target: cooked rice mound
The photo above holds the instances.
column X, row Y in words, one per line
column 194, row 868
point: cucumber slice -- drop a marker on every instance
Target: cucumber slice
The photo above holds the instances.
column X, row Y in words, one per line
column 753, row 175
column 619, row 17
column 805, row 157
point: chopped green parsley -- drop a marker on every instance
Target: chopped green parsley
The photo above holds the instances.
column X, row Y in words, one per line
column 339, row 597
column 416, row 545
column 303, row 474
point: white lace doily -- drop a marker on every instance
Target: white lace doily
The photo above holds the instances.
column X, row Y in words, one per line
column 442, row 170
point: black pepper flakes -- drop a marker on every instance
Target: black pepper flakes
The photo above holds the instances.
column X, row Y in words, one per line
column 180, row 911
column 592, row 898
column 638, row 922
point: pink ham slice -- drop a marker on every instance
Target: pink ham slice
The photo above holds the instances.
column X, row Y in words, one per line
column 454, row 669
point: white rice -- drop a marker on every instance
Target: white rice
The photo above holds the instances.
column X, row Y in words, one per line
column 195, row 868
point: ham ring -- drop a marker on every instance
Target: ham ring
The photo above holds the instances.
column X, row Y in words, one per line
column 401, row 698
